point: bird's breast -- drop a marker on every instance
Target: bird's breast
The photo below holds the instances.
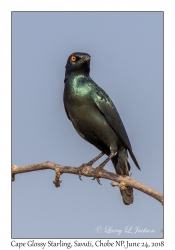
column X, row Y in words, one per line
column 77, row 94
column 86, row 118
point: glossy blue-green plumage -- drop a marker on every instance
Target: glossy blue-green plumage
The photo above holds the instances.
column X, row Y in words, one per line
column 94, row 115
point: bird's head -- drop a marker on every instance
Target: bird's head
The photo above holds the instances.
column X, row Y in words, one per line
column 79, row 62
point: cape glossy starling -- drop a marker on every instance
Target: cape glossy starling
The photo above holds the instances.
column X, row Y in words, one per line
column 96, row 119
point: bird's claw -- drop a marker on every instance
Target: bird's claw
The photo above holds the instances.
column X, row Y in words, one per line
column 96, row 173
column 79, row 176
column 97, row 179
column 79, row 170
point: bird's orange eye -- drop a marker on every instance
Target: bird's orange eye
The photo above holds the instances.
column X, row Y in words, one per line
column 73, row 58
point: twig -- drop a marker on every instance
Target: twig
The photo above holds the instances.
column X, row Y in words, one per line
column 89, row 172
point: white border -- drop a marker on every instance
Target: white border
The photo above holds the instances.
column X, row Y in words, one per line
column 5, row 94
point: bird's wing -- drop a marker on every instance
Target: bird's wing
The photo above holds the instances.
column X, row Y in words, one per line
column 107, row 108
column 66, row 112
column 65, row 105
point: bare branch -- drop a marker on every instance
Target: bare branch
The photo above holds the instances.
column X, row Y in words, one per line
column 88, row 171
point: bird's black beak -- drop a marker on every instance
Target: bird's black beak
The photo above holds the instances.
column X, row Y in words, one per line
column 86, row 58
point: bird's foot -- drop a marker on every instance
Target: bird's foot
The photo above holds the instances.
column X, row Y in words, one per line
column 96, row 173
column 81, row 168
column 101, row 166
column 89, row 164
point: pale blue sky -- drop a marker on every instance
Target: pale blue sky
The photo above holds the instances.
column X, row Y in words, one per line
column 126, row 51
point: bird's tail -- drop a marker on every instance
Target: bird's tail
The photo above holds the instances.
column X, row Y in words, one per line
column 122, row 167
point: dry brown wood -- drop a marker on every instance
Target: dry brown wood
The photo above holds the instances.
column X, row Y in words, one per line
column 89, row 172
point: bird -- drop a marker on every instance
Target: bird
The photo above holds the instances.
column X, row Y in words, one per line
column 96, row 119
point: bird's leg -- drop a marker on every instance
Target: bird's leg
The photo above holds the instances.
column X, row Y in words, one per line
column 101, row 166
column 95, row 159
column 90, row 163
